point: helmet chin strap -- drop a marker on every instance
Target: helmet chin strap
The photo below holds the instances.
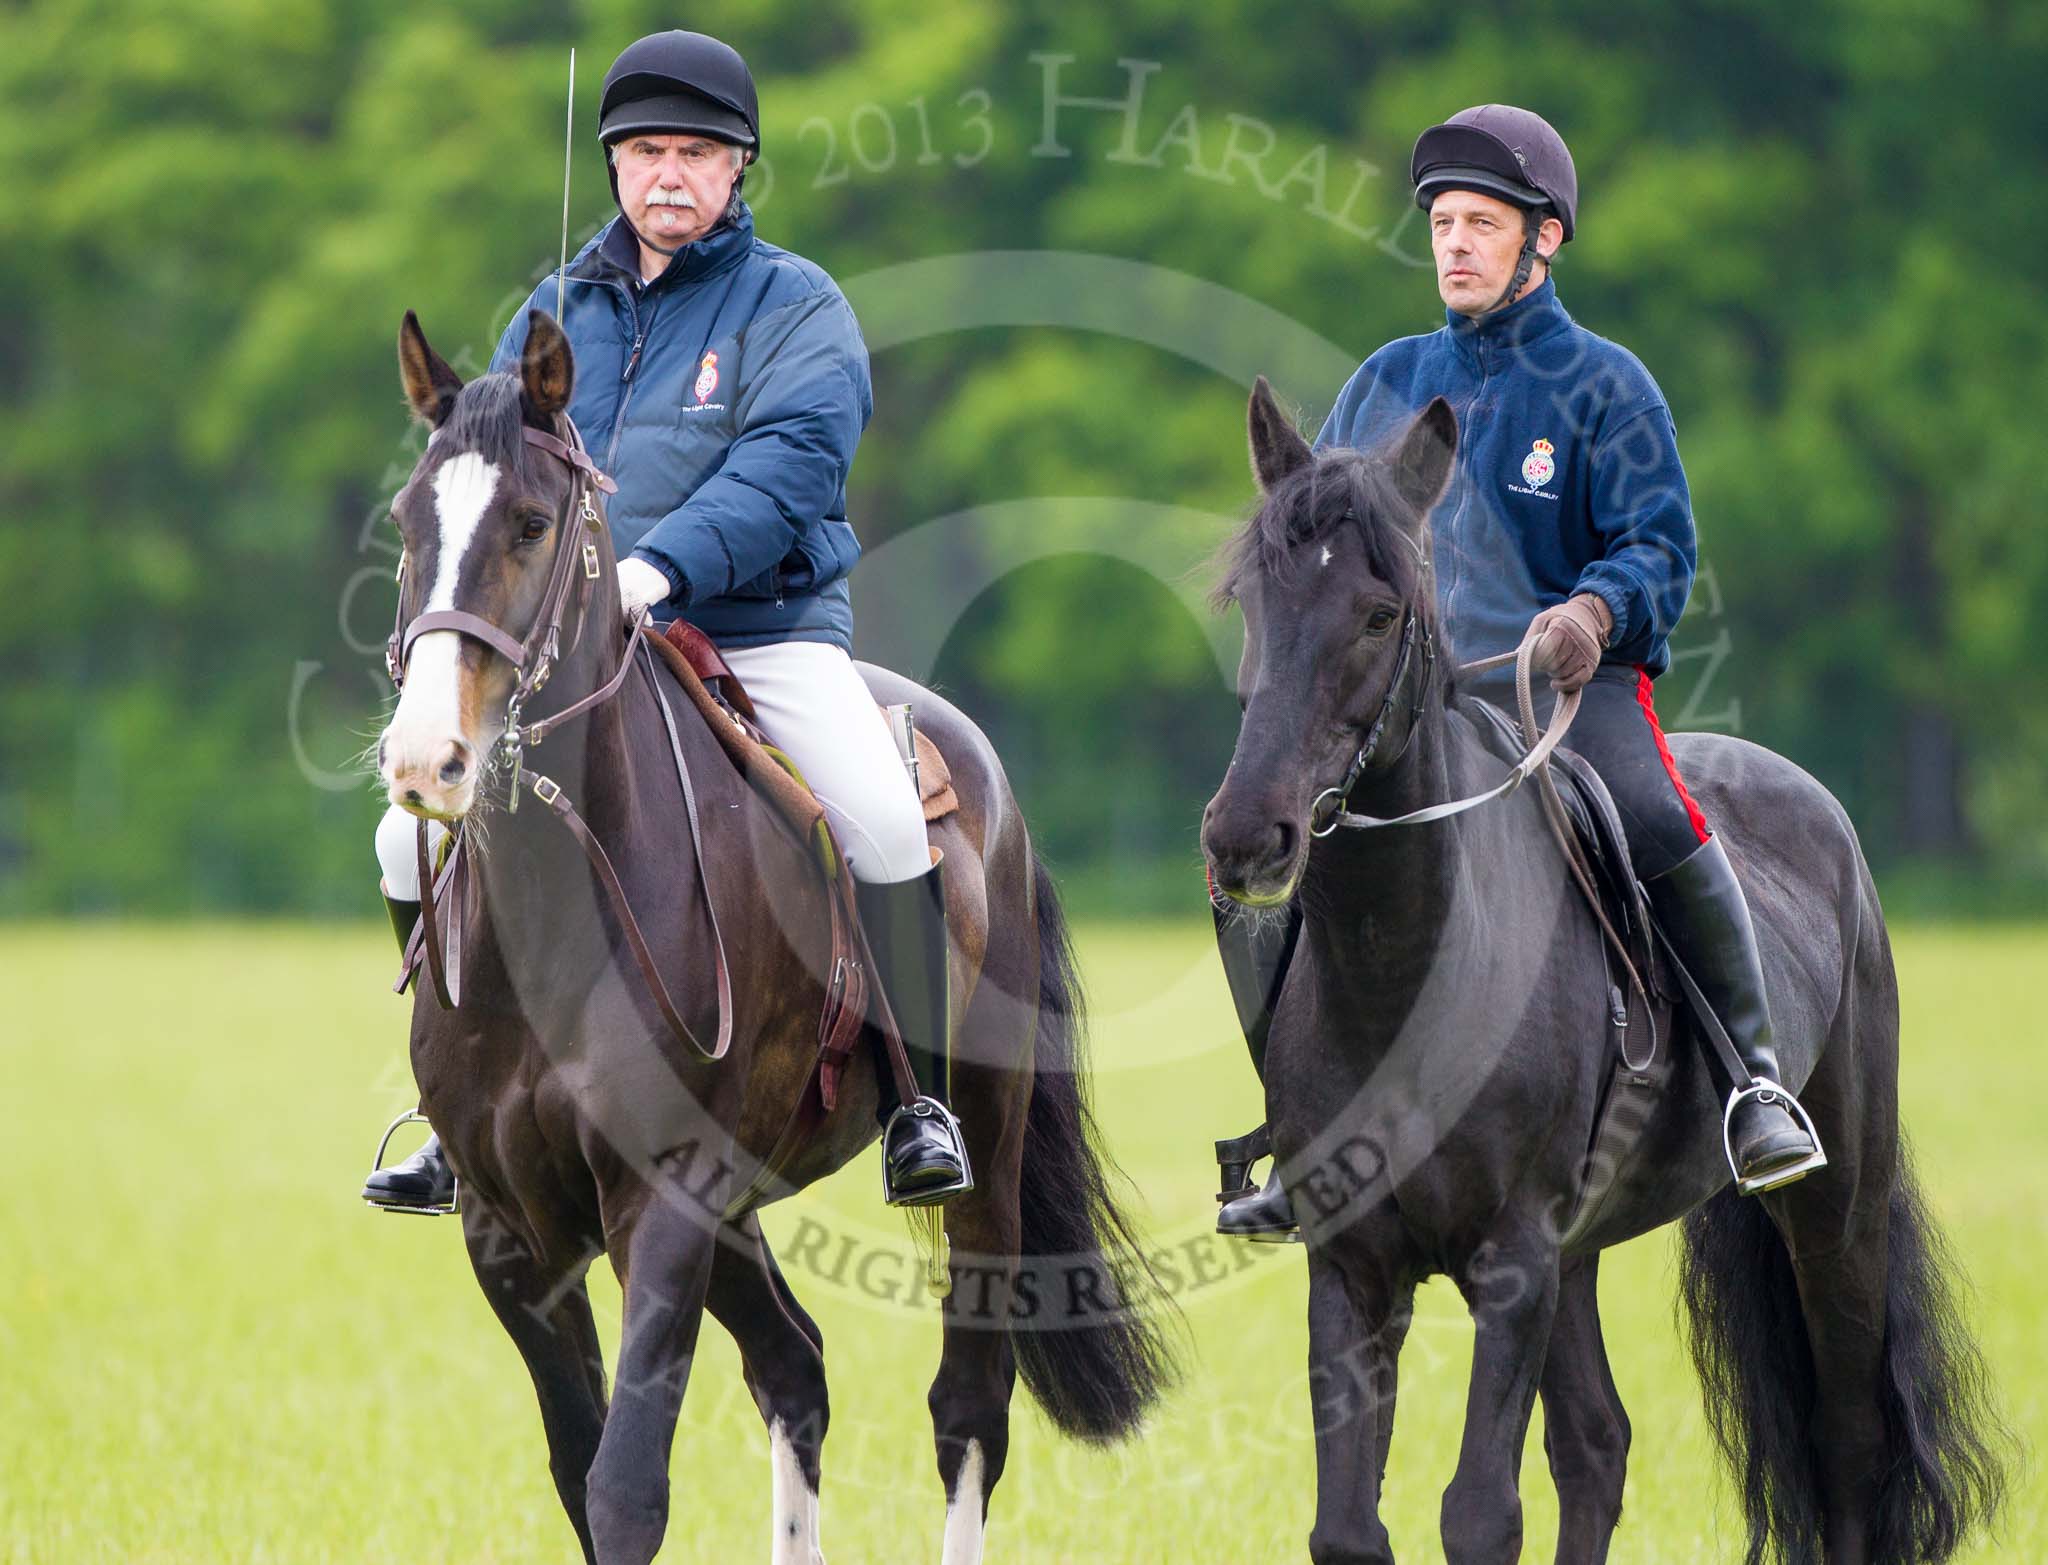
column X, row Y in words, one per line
column 1532, row 225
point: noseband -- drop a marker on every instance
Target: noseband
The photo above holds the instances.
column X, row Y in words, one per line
column 534, row 658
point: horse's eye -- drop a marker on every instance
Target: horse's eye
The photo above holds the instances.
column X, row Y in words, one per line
column 1380, row 621
column 536, row 528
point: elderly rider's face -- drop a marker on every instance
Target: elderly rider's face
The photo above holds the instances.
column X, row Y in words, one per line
column 673, row 188
column 1477, row 240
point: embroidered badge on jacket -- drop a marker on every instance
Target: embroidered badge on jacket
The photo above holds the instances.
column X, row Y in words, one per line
column 707, row 378
column 1537, row 467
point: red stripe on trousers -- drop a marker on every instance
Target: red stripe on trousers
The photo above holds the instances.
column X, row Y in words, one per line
column 1692, row 810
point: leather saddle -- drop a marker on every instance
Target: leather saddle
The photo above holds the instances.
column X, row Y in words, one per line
column 715, row 690
column 722, row 701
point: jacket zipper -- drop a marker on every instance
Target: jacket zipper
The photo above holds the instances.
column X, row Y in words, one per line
column 1464, row 500
column 640, row 330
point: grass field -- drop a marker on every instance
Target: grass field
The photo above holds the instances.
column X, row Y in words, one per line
column 209, row 1351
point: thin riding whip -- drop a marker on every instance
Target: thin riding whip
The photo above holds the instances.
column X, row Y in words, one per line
column 568, row 151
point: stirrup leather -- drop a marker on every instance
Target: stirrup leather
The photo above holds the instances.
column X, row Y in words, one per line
column 454, row 1205
column 1234, row 1159
column 944, row 1121
column 1764, row 1090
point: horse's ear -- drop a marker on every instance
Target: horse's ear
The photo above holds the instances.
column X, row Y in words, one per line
column 1422, row 464
column 430, row 382
column 1277, row 446
column 547, row 369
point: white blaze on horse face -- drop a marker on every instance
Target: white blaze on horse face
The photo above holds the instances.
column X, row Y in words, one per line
column 795, row 1505
column 963, row 1512
column 463, row 486
column 430, row 714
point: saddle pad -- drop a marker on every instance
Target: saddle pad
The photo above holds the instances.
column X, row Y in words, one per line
column 934, row 781
column 690, row 655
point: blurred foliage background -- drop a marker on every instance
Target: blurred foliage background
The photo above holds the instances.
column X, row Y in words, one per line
column 1822, row 227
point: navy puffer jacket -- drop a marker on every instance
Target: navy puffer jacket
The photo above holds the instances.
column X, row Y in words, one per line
column 726, row 398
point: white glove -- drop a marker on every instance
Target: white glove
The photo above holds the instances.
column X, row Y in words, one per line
column 641, row 586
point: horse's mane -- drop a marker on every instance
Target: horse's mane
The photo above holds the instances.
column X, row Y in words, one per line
column 1339, row 485
column 487, row 418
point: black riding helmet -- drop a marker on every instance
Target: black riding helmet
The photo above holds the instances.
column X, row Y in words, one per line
column 679, row 84
column 1505, row 152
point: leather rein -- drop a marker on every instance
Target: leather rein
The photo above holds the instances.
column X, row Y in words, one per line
column 1327, row 813
column 534, row 660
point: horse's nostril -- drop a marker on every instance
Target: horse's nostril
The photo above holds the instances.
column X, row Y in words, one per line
column 452, row 770
column 382, row 741
column 412, row 796
column 1284, row 841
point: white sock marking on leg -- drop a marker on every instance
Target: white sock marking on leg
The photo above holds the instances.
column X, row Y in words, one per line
column 963, row 1511
column 795, row 1505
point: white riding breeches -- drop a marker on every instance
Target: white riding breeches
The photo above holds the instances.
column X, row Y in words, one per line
column 816, row 709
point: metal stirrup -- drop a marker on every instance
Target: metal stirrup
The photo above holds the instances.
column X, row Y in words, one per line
column 377, row 1167
column 948, row 1126
column 1764, row 1090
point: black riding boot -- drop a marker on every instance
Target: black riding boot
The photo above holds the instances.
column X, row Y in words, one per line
column 1700, row 904
column 1256, row 954
column 423, row 1182
column 924, row 1156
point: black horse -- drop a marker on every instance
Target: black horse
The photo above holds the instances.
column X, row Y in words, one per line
column 580, row 1119
column 1439, row 1054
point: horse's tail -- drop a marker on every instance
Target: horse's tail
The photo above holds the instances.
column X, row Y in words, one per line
column 1084, row 1332
column 1945, row 1447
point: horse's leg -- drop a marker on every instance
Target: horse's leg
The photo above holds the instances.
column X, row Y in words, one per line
column 1386, row 1369
column 1510, row 1286
column 1355, row 1330
column 970, row 1394
column 546, row 1313
column 668, row 1254
column 1071, row 1327
column 1585, row 1428
column 782, row 1356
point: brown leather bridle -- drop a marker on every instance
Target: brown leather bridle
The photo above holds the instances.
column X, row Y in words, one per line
column 534, row 658
column 534, row 661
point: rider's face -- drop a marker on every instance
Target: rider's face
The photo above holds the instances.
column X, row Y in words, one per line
column 674, row 188
column 1477, row 240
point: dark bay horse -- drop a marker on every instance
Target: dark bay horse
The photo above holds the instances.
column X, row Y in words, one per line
column 1438, row 1054
column 581, row 1125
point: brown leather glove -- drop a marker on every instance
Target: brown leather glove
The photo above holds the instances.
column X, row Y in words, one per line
column 1570, row 638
